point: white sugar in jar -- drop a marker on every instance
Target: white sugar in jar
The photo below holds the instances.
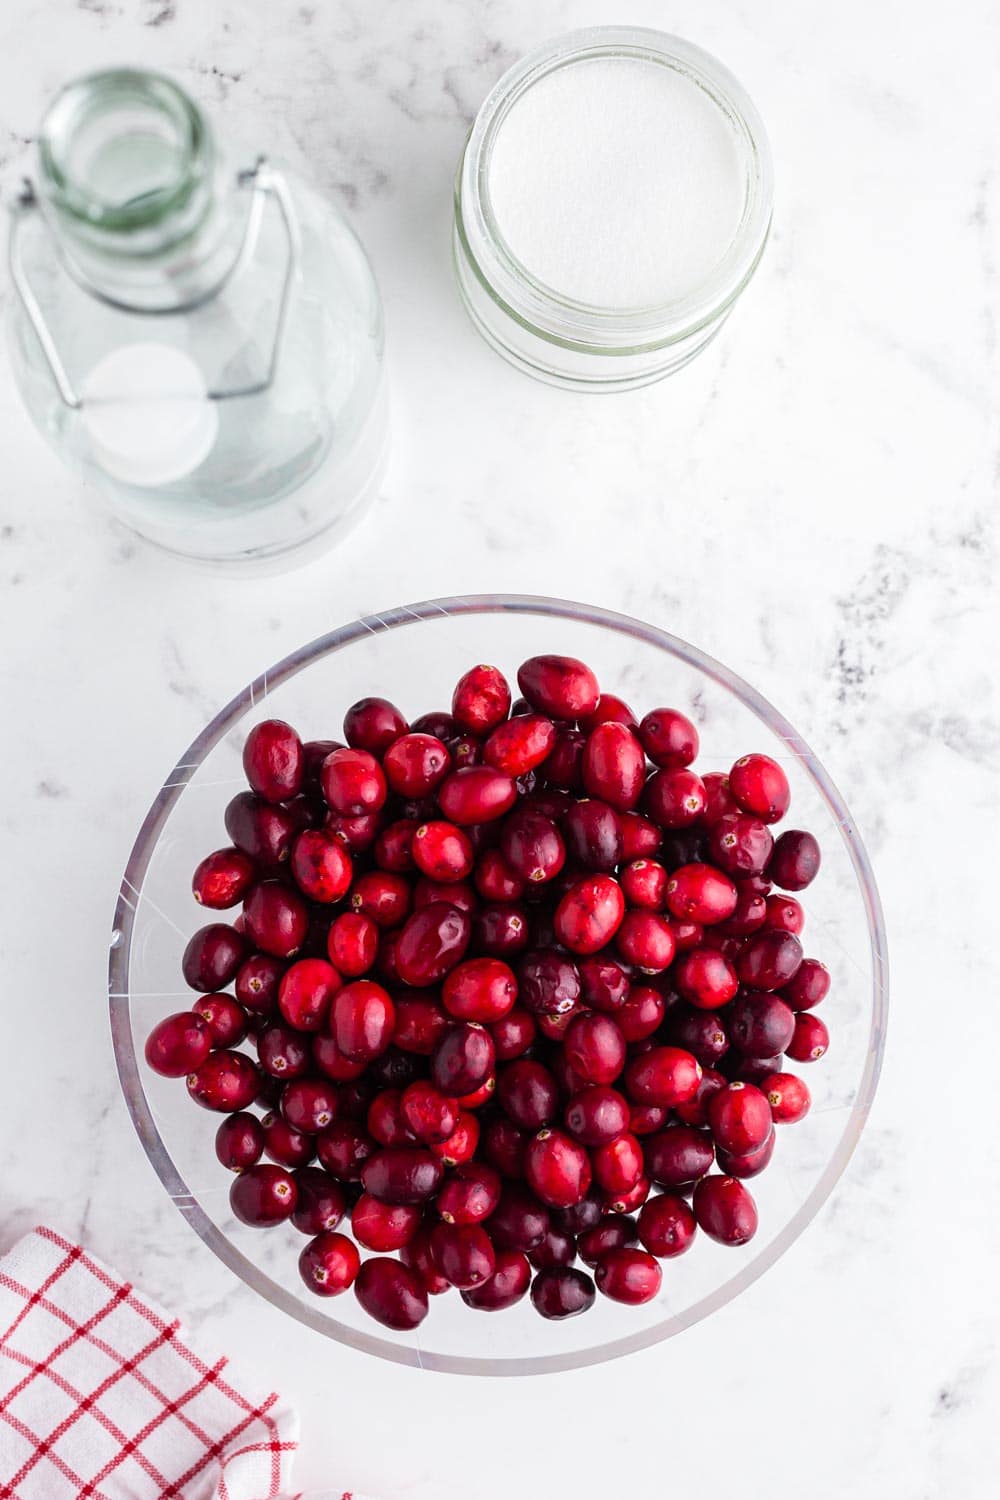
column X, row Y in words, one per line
column 613, row 200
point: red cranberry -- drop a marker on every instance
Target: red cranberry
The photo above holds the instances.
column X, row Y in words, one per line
column 513, row 1034
column 391, row 1293
column 597, row 1115
column 700, row 893
column 273, row 761
column 402, row 1174
column 618, row 1165
column 520, row 745
column 463, row 1059
column 686, row 935
column 352, row 943
column 810, row 1038
column 705, row 978
column 788, row 1097
column 532, row 847
column 416, row 764
column 595, row 1048
column 239, row 1141
column 466, row 750
column 343, row 1148
column 457, row 893
column 282, row 1052
column 641, row 1015
column 261, row 831
column 614, row 766
column 263, row 1195
column 507, row 1285
column 373, row 724
column 700, row 1032
column 769, row 960
column 383, row 896
column 379, row 1225
column 476, row 794
column 760, row 787
column 276, row 919
column 416, row 1254
column 695, row 1111
column 212, row 957
column 719, row 799
column 646, row 940
column 807, row 987
column 332, row 1062
column 747, row 1163
column 433, row 940
column 321, row 866
column 613, row 1232
column 668, row 738
column 329, row 1264
column 630, row 1276
column 495, row 880
column 593, row 833
column 519, row 1222
column 428, row 1114
column 641, row 838
column 310, row 1104
column 784, row 914
column 463, row 1253
column 305, row 993
column 679, row 1156
column 740, row 844
column 320, row 1202
column 610, row 710
column 462, row 1144
column 559, row 686
column 562, row 1292
column 420, row 1023
column 362, row 1017
column 393, row 849
column 549, row 982
column 225, row 1081
column 740, row 1117
column 284, row 1144
column 442, row 851
column 725, row 1210
column 223, row 879
column 647, row 1119
column 554, row 1028
column 760, row 1025
column 257, row 981
column 590, row 914
column 356, row 833
column 481, row 700
column 748, row 913
column 353, row 783
column 528, row 1094
column 557, row 1168
column 385, row 1119
column 501, row 930
column 470, row 1194
column 179, row 1044
column 618, row 1202
column 226, row 1020
column 604, row 985
column 644, row 883
column 666, row 1226
column 674, row 799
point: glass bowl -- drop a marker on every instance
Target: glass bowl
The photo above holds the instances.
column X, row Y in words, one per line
column 414, row 655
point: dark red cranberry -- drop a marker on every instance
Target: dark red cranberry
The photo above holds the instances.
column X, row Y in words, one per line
column 557, row 1168
column 559, row 686
column 595, row 1048
column 262, row 832
column 686, row 935
column 784, row 914
column 385, row 1119
column 760, row 787
column 373, row 724
column 225, row 1081
column 273, row 761
column 433, row 940
column 362, row 1017
column 674, row 799
column 593, row 834
column 557, row 1249
column 263, row 1195
column 562, row 1292
column 463, row 1059
column 719, row 800
column 284, row 1144
column 618, row 1165
column 769, row 960
column 320, row 1201
column 580, row 1216
column 343, row 1148
column 329, row 1264
column 725, row 1210
column 470, row 1194
column 596, row 1115
column 282, row 1052
column 501, row 930
column 507, row 1285
column 564, row 766
column 428, row 1114
column 590, row 914
column 239, row 1141
column 519, row 1222
column 212, row 957
column 393, row 1069
column 750, row 1069
column 222, row 879
column 668, row 738
column 604, row 985
column 740, row 844
column 352, row 944
column 641, row 839
column 504, row 1146
column 705, row 978
column 647, row 1119
column 226, row 1020
column 748, row 914
column 276, row 919
column 760, row 1025
column 463, row 1253
column 466, row 750
column 532, row 847
column 179, row 1044
column 666, row 1226
column 615, row 1231
column 513, row 1034
column 391, row 1293
column 614, row 766
column 646, row 940
column 520, row 745
column 549, row 983
column 641, row 1015
column 788, row 1097
column 416, row 1254
column 420, row 1023
column 807, row 987
column 356, row 833
column 740, row 1117
column 257, row 982
column 700, row 1032
column 747, row 1163
column 353, row 783
column 305, row 993
column 678, row 1156
column 437, row 722
column 528, row 1094
column 402, row 1174
column 495, row 880
column 810, row 1038
column 332, row 1062
column 310, row 1104
column 457, row 893
column 393, row 848
column 630, row 1276
column 314, row 753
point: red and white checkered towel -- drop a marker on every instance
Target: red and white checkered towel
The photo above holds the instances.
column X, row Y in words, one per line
column 101, row 1399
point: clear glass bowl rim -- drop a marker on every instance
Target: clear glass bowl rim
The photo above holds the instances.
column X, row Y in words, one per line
column 130, row 895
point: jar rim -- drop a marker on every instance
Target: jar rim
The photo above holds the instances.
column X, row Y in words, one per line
column 582, row 326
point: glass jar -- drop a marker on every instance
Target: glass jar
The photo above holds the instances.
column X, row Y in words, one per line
column 577, row 120
column 204, row 342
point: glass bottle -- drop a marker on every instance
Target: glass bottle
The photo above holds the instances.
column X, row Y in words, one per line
column 204, row 339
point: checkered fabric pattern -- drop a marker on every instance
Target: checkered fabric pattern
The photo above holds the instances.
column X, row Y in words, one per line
column 101, row 1399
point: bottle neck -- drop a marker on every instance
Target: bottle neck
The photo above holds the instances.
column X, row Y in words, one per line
column 132, row 190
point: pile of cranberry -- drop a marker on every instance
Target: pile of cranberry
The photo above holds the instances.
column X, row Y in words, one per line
column 513, row 992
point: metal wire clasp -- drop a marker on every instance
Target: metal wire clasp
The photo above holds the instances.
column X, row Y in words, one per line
column 264, row 183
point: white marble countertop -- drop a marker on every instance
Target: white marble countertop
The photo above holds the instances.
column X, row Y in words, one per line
column 814, row 501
